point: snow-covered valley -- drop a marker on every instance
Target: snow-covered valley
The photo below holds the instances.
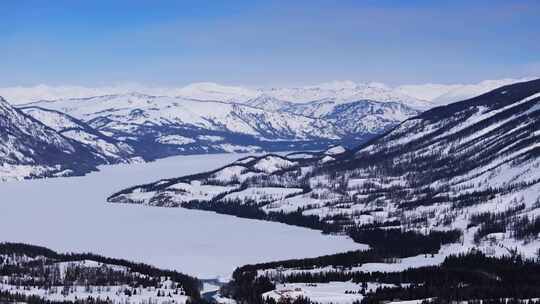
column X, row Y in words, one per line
column 72, row 215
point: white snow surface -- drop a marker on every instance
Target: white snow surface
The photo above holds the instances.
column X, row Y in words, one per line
column 175, row 140
column 114, row 293
column 324, row 293
column 441, row 94
column 271, row 164
column 73, row 216
column 335, row 150
column 128, row 112
column 423, row 93
column 342, row 90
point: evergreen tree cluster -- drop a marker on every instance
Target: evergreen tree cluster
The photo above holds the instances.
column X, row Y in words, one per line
column 464, row 277
column 43, row 270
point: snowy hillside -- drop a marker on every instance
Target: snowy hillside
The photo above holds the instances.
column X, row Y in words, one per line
column 441, row 94
column 268, row 102
column 32, row 273
column 469, row 168
column 29, row 148
column 105, row 147
column 359, row 117
column 344, row 92
column 214, row 91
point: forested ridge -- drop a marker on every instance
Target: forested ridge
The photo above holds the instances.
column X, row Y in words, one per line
column 25, row 266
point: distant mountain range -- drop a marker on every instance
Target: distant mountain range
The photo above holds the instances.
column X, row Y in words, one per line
column 210, row 118
column 134, row 125
column 434, row 93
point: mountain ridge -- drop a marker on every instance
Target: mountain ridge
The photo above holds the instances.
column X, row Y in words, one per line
column 429, row 92
column 32, row 149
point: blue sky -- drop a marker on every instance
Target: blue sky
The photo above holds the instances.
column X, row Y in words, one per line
column 266, row 42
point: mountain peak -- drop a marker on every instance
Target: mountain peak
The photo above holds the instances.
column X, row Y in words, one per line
column 214, row 91
column 440, row 94
column 335, row 85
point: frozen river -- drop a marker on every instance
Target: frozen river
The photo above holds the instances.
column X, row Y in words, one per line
column 71, row 214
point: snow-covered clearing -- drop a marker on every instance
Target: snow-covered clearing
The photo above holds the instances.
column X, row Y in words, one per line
column 71, row 214
column 324, row 293
column 115, row 294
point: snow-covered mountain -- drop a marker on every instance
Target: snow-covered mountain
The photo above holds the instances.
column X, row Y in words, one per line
column 441, row 94
column 162, row 126
column 158, row 126
column 105, row 147
column 419, row 96
column 268, row 102
column 471, row 166
column 344, row 92
column 29, row 148
column 72, row 277
column 216, row 92
column 210, row 118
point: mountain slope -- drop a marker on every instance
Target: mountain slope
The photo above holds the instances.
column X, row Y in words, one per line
column 441, row 94
column 38, row 274
column 214, row 91
column 268, row 102
column 105, row 147
column 471, row 166
column 359, row 111
column 344, row 92
column 30, row 149
column 357, row 117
